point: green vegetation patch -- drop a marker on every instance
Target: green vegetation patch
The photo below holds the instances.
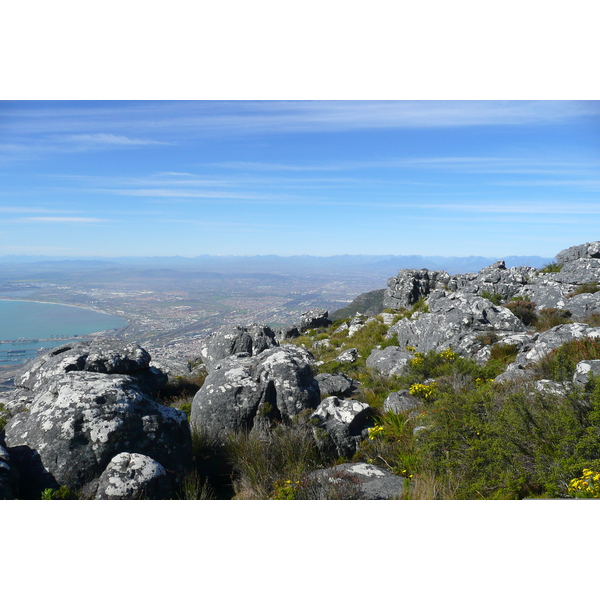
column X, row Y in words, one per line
column 552, row 267
column 586, row 288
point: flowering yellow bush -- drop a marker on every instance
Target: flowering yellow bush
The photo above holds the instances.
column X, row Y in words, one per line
column 586, row 486
column 448, row 354
column 375, row 432
column 420, row 390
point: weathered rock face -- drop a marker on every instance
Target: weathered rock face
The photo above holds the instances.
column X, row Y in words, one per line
column 98, row 356
column 454, row 321
column 586, row 251
column 358, row 481
column 248, row 392
column 313, row 319
column 132, row 476
column 411, row 285
column 401, row 401
column 584, row 370
column 581, row 264
column 79, row 421
column 348, row 356
column 340, row 425
column 388, row 361
column 540, row 344
column 336, row 385
column 235, row 339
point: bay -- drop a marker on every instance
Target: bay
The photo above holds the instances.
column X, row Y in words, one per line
column 23, row 323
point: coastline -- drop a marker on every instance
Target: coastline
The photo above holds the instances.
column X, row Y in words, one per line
column 102, row 312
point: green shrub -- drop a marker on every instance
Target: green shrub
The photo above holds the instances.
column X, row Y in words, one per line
column 262, row 464
column 504, row 353
column 488, row 338
column 62, row 493
column 503, row 442
column 493, row 298
column 551, row 317
column 586, row 288
column 552, row 267
column 559, row 364
column 524, row 310
column 593, row 320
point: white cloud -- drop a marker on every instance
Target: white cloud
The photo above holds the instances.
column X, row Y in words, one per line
column 108, row 139
column 74, row 220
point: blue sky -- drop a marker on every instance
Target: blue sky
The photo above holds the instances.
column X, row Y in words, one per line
column 154, row 178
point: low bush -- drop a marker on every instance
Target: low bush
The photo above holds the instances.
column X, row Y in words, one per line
column 493, row 298
column 552, row 267
column 261, row 465
column 586, row 288
column 503, row 353
column 524, row 310
column 559, row 364
column 551, row 317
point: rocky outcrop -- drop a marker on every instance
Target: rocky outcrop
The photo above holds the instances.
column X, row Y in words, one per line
column 110, row 357
column 455, row 320
column 336, row 385
column 540, row 344
column 388, row 361
column 245, row 392
column 236, row 339
column 78, row 421
column 493, row 280
column 411, row 285
column 340, row 425
column 357, row 481
column 131, row 476
column 313, row 319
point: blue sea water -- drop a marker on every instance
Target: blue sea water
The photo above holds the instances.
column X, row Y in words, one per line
column 22, row 322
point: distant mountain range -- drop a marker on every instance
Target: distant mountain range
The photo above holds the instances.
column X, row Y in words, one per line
column 347, row 263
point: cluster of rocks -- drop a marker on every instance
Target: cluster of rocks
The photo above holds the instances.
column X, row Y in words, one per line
column 461, row 316
column 85, row 416
column 269, row 383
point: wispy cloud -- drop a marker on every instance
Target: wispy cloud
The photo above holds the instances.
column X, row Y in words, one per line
column 234, row 118
column 72, row 220
column 108, row 139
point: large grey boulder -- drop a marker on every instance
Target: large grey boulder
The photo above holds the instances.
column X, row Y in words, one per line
column 410, row 285
column 388, row 361
column 357, row 481
column 589, row 250
column 133, row 476
column 340, row 424
column 79, row 421
column 245, row 392
column 97, row 356
column 580, row 264
column 401, row 401
column 336, row 385
column 235, row 339
column 314, row 318
column 495, row 279
column 455, row 321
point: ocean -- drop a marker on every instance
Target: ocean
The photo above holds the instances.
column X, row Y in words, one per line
column 26, row 327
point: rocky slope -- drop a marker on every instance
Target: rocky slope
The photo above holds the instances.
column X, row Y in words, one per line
column 90, row 416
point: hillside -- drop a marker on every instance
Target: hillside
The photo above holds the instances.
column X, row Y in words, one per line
column 467, row 386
